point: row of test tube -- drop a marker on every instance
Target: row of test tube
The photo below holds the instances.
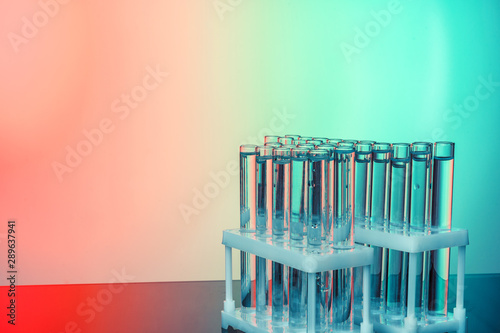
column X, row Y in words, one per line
column 309, row 191
column 298, row 190
column 407, row 189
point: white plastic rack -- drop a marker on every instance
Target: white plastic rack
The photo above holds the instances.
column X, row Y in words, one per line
column 281, row 252
column 415, row 243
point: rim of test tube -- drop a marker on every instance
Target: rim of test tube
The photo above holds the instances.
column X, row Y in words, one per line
column 421, row 148
column 299, row 153
column 286, row 140
column 293, row 136
column 401, row 151
column 264, row 151
column 344, row 149
column 306, row 145
column 319, row 154
column 271, row 138
column 282, row 151
column 323, row 140
column 444, row 149
column 382, row 147
column 363, row 148
column 248, row 149
column 273, row 144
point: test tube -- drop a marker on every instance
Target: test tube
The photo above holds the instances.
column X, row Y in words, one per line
column 281, row 218
column 286, row 140
column 378, row 220
column 442, row 199
column 316, row 228
column 398, row 219
column 271, row 138
column 299, row 195
column 299, row 188
column 343, row 236
column 264, row 173
column 362, row 196
column 330, row 189
column 248, row 206
column 420, row 168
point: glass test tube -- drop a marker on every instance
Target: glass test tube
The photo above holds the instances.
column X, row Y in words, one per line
column 316, row 228
column 420, row 169
column 398, row 219
column 343, row 236
column 264, row 175
column 362, row 196
column 281, row 218
column 248, row 205
column 378, row 219
column 442, row 199
column 299, row 185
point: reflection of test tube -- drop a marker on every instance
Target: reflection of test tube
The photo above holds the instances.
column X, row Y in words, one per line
column 299, row 185
column 420, row 168
column 378, row 219
column 316, row 227
column 264, row 174
column 281, row 217
column 442, row 198
column 248, row 207
column 343, row 235
column 398, row 219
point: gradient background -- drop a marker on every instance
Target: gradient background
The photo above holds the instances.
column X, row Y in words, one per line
column 230, row 77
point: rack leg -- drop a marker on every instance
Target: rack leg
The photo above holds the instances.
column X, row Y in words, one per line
column 311, row 302
column 366, row 326
column 459, row 311
column 229, row 302
column 411, row 320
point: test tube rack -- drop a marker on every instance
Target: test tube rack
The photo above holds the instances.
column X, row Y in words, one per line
column 311, row 263
column 414, row 243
